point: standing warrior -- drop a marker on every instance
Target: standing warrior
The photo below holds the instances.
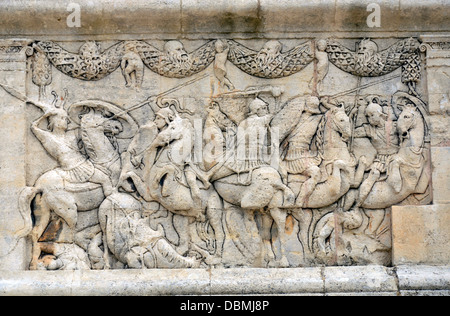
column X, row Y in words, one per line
column 298, row 157
column 73, row 166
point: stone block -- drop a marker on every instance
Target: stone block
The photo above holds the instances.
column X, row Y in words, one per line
column 370, row 279
column 141, row 282
column 224, row 18
column 266, row 281
column 423, row 278
column 317, row 15
column 420, row 234
column 441, row 176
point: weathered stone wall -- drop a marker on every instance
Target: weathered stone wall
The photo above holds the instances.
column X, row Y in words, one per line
column 349, row 98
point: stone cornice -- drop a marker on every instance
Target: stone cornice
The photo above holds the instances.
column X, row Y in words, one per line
column 197, row 19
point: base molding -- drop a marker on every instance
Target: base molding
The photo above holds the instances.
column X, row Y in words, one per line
column 404, row 280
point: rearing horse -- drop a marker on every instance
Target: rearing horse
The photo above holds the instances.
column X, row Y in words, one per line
column 52, row 192
column 406, row 172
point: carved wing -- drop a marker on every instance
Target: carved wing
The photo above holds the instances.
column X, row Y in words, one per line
column 159, row 63
column 288, row 117
column 94, row 67
column 285, row 64
column 379, row 64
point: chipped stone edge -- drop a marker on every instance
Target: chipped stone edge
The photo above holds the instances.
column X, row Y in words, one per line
column 330, row 281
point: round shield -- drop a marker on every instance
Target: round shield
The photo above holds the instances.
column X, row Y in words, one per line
column 112, row 112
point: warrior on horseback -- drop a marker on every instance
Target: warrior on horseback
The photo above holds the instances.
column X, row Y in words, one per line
column 73, row 166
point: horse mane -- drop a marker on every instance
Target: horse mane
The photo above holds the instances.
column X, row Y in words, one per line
column 319, row 139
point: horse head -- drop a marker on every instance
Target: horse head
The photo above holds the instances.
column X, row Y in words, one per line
column 219, row 118
column 408, row 120
column 340, row 122
column 112, row 127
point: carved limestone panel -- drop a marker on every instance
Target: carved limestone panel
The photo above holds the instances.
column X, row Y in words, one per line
column 223, row 153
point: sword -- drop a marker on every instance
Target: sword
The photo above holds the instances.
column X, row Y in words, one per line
column 18, row 95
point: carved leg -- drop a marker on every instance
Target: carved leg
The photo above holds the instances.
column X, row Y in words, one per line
column 304, row 218
column 101, row 178
column 325, row 233
column 215, row 220
column 64, row 205
column 42, row 215
column 359, row 175
column 309, row 186
column 266, row 237
column 167, row 252
column 376, row 217
column 181, row 225
column 367, row 186
column 140, row 185
column 214, row 213
column 95, row 253
column 279, row 216
column 126, row 75
column 197, row 211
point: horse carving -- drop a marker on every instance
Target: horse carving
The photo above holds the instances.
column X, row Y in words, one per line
column 78, row 184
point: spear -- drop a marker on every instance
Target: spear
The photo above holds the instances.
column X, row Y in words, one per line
column 137, row 106
column 367, row 85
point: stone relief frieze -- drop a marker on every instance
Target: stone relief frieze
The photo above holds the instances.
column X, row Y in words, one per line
column 254, row 175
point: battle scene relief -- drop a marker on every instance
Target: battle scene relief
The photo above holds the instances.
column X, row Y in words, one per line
column 221, row 153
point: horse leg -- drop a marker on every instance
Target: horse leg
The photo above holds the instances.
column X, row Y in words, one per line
column 308, row 186
column 367, row 186
column 279, row 216
column 101, row 178
column 359, row 174
column 197, row 210
column 95, row 253
column 42, row 215
column 266, row 237
column 214, row 213
column 181, row 225
column 64, row 205
column 288, row 194
column 103, row 221
column 304, row 218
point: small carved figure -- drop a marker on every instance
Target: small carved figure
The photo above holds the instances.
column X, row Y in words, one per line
column 132, row 67
column 322, row 65
column 220, row 69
